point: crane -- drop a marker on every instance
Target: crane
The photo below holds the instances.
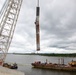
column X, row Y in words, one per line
column 8, row 19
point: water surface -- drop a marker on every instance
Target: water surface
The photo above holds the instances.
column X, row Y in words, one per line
column 24, row 64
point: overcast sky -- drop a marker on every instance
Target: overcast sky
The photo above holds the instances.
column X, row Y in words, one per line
column 57, row 27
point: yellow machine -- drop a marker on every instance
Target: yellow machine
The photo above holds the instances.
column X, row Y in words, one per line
column 72, row 63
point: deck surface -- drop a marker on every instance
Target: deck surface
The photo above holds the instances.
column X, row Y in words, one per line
column 6, row 71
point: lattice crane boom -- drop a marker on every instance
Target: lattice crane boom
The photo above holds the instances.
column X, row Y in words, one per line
column 7, row 26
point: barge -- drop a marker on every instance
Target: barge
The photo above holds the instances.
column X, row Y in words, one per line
column 13, row 66
column 53, row 66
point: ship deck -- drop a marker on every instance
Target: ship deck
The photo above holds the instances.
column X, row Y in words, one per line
column 54, row 66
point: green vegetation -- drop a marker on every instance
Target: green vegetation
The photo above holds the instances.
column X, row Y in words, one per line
column 60, row 55
column 49, row 54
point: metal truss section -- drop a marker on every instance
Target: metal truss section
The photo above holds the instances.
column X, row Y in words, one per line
column 7, row 26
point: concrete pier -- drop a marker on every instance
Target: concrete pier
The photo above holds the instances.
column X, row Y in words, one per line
column 6, row 71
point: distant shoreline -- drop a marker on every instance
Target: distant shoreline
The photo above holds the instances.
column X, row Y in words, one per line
column 50, row 54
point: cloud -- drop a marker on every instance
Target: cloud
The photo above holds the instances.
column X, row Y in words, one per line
column 59, row 23
column 57, row 27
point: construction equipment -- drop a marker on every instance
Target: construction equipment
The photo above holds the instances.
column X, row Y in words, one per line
column 8, row 19
column 72, row 63
column 37, row 27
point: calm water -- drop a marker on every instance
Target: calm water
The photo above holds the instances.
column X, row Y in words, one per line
column 24, row 64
